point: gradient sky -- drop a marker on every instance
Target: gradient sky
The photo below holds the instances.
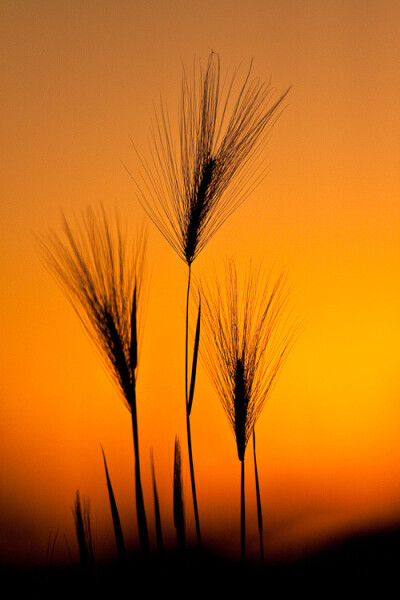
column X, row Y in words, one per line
column 78, row 80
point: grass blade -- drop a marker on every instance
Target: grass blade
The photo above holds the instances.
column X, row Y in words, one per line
column 179, row 514
column 119, row 538
column 51, row 548
column 259, row 509
column 159, row 536
column 195, row 358
column 83, row 532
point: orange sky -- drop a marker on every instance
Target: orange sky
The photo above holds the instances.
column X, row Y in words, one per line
column 77, row 80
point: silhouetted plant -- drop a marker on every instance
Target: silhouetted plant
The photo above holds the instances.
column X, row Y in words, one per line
column 103, row 279
column 51, row 545
column 258, row 497
column 245, row 346
column 188, row 193
column 157, row 513
column 83, row 531
column 179, row 512
column 119, row 538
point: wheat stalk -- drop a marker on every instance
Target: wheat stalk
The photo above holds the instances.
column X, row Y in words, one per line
column 246, row 344
column 103, row 277
column 190, row 192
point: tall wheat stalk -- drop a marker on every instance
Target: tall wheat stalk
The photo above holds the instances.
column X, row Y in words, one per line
column 246, row 343
column 190, row 192
column 102, row 276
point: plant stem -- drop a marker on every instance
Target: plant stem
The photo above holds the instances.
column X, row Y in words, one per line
column 242, row 516
column 189, row 438
column 141, row 515
column 259, row 509
column 187, row 337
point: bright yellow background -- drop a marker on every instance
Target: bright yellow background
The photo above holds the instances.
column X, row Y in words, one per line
column 77, row 80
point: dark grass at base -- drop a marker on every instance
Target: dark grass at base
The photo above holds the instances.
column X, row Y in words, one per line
column 368, row 563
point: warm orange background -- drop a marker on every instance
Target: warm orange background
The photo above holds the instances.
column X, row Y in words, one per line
column 77, row 80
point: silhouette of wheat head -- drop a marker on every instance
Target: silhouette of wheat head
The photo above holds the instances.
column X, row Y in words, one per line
column 189, row 193
column 102, row 276
column 246, row 343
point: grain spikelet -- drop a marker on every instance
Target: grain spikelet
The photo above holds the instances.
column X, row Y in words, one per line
column 246, row 343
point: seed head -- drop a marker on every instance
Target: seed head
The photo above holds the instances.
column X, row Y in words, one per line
column 189, row 192
column 246, row 343
column 102, row 277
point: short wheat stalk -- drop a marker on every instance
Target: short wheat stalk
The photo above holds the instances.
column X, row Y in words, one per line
column 103, row 279
column 245, row 346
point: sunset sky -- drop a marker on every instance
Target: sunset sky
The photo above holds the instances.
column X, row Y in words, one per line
column 79, row 80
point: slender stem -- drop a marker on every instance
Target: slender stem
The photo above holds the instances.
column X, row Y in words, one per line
column 196, row 512
column 189, row 437
column 187, row 337
column 140, row 511
column 259, row 509
column 242, row 516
